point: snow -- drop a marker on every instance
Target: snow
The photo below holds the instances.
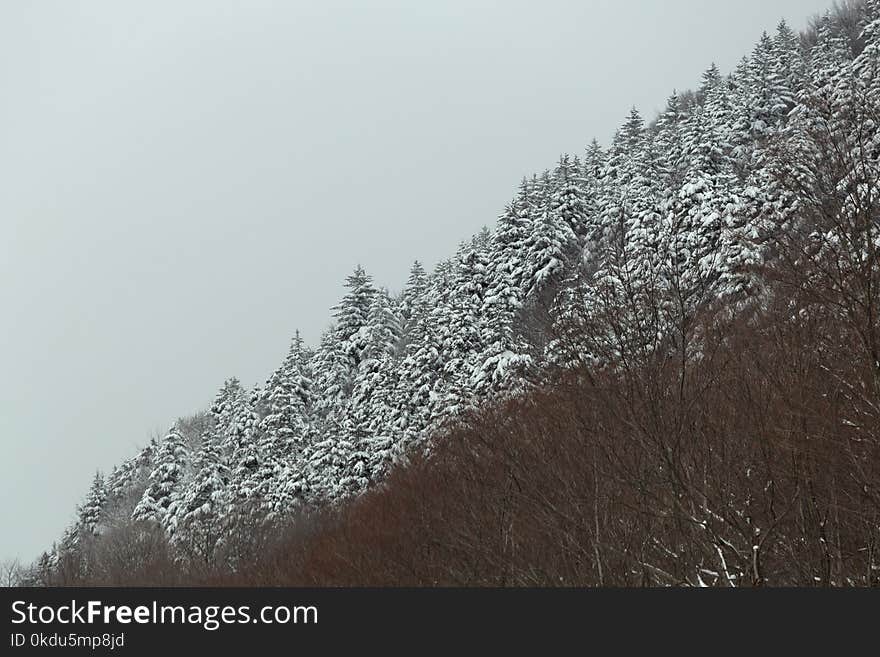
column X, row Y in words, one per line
column 681, row 206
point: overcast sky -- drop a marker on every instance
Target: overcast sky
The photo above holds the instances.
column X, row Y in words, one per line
column 183, row 184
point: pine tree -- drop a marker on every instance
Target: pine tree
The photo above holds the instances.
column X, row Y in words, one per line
column 625, row 280
column 200, row 513
column 225, row 407
column 342, row 348
column 287, row 399
column 383, row 331
column 170, row 469
column 462, row 332
column 331, row 465
column 670, row 136
column 789, row 65
column 550, row 246
column 514, row 226
column 246, row 453
column 769, row 96
column 504, row 355
column 866, row 68
column 567, row 200
column 352, row 315
column 419, row 373
column 371, row 406
column 90, row 512
column 414, row 303
column 368, row 426
column 131, row 475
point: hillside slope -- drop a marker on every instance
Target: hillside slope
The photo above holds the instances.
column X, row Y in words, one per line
column 661, row 367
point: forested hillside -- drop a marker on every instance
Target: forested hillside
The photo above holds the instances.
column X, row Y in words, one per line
column 662, row 366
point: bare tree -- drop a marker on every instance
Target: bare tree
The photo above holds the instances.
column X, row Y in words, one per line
column 11, row 573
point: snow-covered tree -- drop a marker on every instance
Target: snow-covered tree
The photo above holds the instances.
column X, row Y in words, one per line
column 199, row 515
column 170, row 468
column 342, row 348
column 287, row 400
column 91, row 510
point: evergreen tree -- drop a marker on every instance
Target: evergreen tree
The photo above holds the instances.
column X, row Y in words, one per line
column 200, row 513
column 246, row 453
column 352, row 315
column 287, row 400
column 414, row 302
column 90, row 512
column 342, row 348
column 461, row 333
column 170, row 469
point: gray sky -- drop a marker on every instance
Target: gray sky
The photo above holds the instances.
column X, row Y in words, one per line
column 183, row 183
